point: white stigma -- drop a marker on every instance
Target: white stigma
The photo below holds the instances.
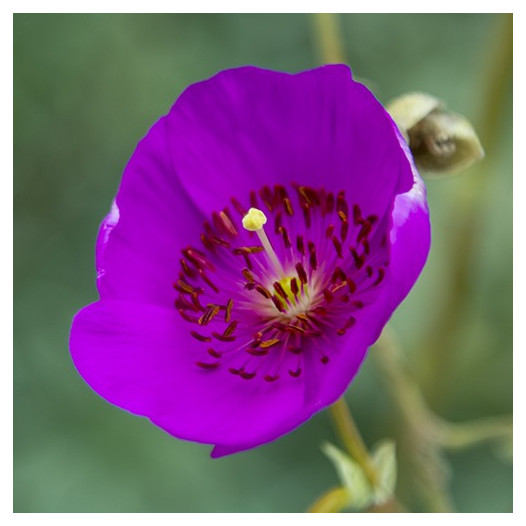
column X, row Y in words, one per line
column 253, row 221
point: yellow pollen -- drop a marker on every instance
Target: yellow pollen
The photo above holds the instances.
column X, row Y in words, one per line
column 254, row 220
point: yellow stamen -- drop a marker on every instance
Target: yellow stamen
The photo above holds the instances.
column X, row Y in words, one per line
column 253, row 221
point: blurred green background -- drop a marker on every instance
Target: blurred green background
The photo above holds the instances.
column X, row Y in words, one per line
column 86, row 89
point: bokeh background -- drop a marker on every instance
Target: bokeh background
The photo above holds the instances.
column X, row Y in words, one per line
column 86, row 89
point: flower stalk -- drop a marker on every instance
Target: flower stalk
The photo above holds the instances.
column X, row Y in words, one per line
column 351, row 438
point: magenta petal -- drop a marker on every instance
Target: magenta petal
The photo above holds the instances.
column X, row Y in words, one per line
column 138, row 358
column 248, row 125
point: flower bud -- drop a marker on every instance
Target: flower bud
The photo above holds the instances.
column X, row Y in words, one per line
column 441, row 141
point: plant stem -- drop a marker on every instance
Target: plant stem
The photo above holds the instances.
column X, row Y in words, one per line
column 466, row 434
column 351, row 438
column 420, row 425
column 332, row 501
column 328, row 38
column 469, row 201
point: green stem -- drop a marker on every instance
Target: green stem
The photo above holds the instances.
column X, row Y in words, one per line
column 469, row 200
column 328, row 38
column 467, row 434
column 420, row 425
column 332, row 501
column 351, row 438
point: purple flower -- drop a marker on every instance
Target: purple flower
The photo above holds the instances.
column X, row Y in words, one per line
column 232, row 337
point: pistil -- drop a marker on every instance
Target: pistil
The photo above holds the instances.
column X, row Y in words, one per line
column 253, row 221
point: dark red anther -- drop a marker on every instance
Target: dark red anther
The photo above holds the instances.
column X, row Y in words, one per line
column 248, row 275
column 357, row 303
column 206, row 365
column 294, row 350
column 247, row 261
column 214, row 353
column 182, row 286
column 344, row 230
column 266, row 344
column 279, row 193
column 369, row 271
column 359, row 260
column 246, row 376
column 207, row 242
column 325, row 360
column 330, row 231
column 208, row 229
column 350, row 323
column 222, row 337
column 239, row 251
column 263, row 291
column 313, row 260
column 182, row 303
column 365, row 231
column 278, row 304
column 330, row 202
column 294, row 329
column 285, row 235
column 366, row 247
column 223, row 224
column 288, row 206
column 195, row 300
column 238, row 206
column 207, row 280
column 228, row 310
column 356, row 215
column 186, row 268
column 220, row 241
column 337, row 246
column 200, row 337
column 320, row 311
column 301, row 273
column 338, row 274
column 254, row 351
column 306, row 215
column 294, row 288
column 267, row 197
column 381, row 275
column 250, row 285
column 270, row 378
column 188, row 317
column 296, row 373
column 280, row 290
column 328, row 296
column 253, row 199
column 308, row 195
column 341, row 203
column 254, row 344
column 207, row 317
column 233, row 370
column 351, row 285
column 300, row 245
column 197, row 258
column 278, row 220
column 230, row 329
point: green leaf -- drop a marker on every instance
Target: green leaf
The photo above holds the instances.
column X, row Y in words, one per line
column 384, row 460
column 352, row 477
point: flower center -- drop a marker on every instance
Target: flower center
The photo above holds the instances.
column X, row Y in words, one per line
column 266, row 301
